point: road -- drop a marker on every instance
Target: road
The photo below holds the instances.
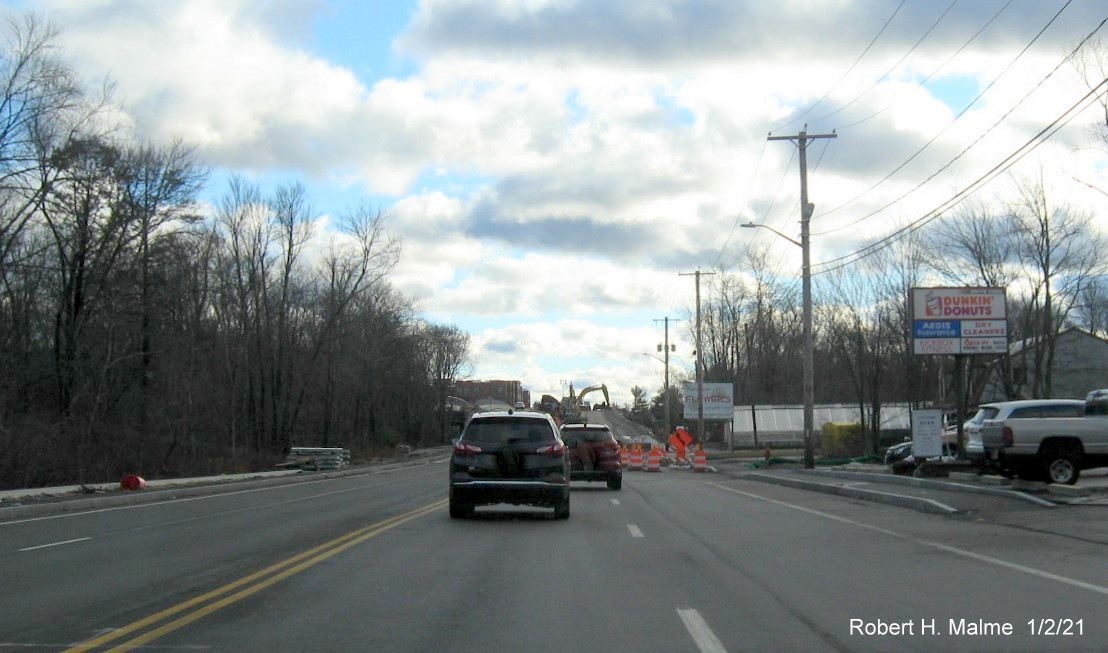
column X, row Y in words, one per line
column 675, row 561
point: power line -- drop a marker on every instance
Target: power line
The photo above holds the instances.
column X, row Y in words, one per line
column 936, row 70
column 1038, row 139
column 746, row 196
column 848, row 70
column 781, row 259
column 894, row 66
column 951, row 124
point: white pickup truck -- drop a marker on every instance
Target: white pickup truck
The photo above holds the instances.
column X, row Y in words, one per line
column 1054, row 449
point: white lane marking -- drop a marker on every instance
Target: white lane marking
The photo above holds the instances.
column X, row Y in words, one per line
column 635, row 531
column 701, row 633
column 615, row 502
column 1031, row 571
column 227, row 494
column 44, row 546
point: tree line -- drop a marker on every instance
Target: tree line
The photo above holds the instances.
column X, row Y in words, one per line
column 1047, row 253
column 142, row 330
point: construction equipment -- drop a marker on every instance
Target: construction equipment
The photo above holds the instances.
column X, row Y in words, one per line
column 593, row 388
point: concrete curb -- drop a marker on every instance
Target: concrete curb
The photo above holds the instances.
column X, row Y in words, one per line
column 931, row 484
column 900, row 500
column 121, row 499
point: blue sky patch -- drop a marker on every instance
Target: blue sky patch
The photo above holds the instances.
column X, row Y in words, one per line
column 955, row 91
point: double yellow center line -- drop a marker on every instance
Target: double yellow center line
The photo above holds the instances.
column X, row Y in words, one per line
column 246, row 586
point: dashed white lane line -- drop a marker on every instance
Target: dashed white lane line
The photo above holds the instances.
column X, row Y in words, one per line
column 701, row 632
column 44, row 546
column 635, row 531
column 615, row 502
column 1031, row 571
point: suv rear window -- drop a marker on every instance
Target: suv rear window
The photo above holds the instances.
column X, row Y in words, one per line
column 1053, row 410
column 573, row 436
column 504, row 430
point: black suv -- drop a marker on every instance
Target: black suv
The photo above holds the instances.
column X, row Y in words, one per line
column 593, row 454
column 509, row 457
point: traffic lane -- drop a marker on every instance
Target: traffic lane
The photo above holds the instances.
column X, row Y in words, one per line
column 509, row 579
column 828, row 567
column 32, row 532
column 185, row 549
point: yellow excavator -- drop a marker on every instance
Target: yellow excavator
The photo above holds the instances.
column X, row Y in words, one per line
column 592, row 388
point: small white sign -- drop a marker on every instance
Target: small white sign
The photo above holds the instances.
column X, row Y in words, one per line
column 927, row 433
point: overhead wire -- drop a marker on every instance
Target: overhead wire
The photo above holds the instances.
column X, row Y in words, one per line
column 895, row 65
column 1038, row 139
column 964, row 151
column 815, row 169
column 936, row 70
column 848, row 70
column 971, row 145
column 746, row 196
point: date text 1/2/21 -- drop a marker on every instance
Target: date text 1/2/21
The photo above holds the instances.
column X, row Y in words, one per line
column 1056, row 627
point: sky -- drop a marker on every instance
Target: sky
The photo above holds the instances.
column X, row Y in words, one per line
column 556, row 168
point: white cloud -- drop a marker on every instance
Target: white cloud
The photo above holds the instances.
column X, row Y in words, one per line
column 557, row 162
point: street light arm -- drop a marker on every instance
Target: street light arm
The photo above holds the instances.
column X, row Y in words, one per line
column 752, row 225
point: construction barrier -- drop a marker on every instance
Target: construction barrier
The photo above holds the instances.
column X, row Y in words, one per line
column 624, row 457
column 636, row 459
column 654, row 460
column 700, row 461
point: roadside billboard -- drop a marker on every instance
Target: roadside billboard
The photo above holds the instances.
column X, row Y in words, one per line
column 719, row 401
column 972, row 320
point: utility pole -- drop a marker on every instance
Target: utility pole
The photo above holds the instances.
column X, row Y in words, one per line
column 665, row 388
column 699, row 357
column 806, row 209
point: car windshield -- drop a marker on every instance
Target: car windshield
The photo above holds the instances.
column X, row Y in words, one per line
column 505, row 430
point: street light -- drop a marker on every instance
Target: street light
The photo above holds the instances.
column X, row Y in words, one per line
column 806, row 274
column 665, row 387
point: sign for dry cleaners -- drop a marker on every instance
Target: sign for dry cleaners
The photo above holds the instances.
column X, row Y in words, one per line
column 959, row 321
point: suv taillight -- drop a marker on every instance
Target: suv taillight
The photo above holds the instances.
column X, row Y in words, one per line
column 1007, row 437
column 557, row 450
column 463, row 449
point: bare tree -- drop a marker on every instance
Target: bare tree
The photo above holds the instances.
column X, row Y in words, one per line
column 1060, row 253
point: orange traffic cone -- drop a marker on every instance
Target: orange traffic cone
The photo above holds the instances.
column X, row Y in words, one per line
column 700, row 460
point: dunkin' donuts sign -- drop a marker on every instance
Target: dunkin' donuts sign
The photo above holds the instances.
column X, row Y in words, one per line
column 959, row 321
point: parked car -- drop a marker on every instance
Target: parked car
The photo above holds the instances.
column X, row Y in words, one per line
column 1056, row 446
column 1020, row 409
column 514, row 457
column 900, row 458
column 593, row 454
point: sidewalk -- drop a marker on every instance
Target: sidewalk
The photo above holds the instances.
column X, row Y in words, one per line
column 961, row 493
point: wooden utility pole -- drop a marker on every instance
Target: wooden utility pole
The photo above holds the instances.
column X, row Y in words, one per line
column 665, row 387
column 699, row 357
column 806, row 209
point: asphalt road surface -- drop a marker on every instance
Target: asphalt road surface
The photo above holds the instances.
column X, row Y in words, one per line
column 675, row 561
